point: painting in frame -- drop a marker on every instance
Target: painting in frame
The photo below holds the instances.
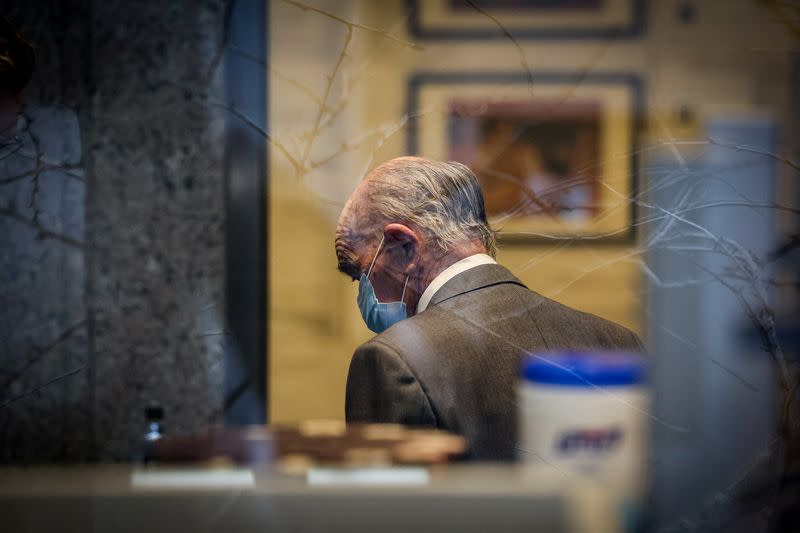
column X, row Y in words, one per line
column 556, row 157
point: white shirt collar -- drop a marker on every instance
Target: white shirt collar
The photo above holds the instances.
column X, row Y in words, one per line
column 449, row 273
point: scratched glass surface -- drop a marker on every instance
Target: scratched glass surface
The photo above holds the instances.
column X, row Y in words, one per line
column 638, row 158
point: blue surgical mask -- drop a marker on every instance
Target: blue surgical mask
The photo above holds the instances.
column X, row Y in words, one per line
column 379, row 316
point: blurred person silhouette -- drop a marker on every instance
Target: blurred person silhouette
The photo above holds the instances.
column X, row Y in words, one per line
column 16, row 69
column 452, row 325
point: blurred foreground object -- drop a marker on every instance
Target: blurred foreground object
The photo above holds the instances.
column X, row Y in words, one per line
column 465, row 498
column 297, row 447
column 587, row 413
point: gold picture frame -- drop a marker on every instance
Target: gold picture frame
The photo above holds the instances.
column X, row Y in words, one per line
column 555, row 152
column 527, row 19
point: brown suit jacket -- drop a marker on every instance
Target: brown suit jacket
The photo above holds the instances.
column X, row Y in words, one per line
column 455, row 365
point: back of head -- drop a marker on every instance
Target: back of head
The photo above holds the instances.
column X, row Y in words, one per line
column 442, row 199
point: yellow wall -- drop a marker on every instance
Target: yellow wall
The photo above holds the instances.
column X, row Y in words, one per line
column 318, row 158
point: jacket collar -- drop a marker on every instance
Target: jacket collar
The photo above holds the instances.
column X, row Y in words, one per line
column 474, row 279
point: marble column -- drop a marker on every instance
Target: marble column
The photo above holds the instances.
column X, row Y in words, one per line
column 117, row 293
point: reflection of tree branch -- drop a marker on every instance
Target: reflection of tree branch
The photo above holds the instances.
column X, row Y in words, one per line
column 352, row 25
column 609, row 392
column 522, row 59
column 63, row 167
column 532, row 198
column 36, row 354
column 349, row 84
column 750, row 149
column 326, row 113
column 634, row 256
column 795, row 284
column 40, row 387
column 720, row 504
column 241, row 116
column 37, row 146
column 46, row 161
column 763, row 319
column 213, row 333
column 382, row 132
column 216, row 60
column 277, row 73
column 737, row 254
column 297, row 85
column 689, row 209
column 581, row 75
column 326, row 93
column 748, row 267
column 43, row 233
column 16, row 145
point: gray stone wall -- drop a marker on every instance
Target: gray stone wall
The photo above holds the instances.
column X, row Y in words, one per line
column 113, row 269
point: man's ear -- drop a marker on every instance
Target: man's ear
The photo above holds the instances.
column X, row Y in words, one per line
column 402, row 243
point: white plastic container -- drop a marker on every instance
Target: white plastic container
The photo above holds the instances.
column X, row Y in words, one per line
column 586, row 413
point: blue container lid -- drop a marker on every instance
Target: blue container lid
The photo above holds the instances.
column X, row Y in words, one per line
column 584, row 369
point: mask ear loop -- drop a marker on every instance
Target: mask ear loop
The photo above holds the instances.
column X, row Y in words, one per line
column 403, row 296
column 376, row 256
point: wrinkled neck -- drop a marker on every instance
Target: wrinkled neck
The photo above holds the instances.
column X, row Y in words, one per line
column 431, row 268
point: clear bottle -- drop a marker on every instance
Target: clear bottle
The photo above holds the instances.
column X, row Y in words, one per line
column 154, row 430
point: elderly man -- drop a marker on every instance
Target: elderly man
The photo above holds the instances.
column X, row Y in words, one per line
column 452, row 324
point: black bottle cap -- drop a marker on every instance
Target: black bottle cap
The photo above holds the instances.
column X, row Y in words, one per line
column 154, row 412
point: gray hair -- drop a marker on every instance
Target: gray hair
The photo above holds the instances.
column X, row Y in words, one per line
column 443, row 199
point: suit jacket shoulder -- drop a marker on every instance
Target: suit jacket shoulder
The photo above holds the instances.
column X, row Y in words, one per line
column 567, row 328
column 490, row 292
column 381, row 387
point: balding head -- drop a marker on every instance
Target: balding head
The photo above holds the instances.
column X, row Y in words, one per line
column 441, row 200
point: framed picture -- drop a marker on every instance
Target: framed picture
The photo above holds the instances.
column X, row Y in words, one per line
column 526, row 19
column 555, row 156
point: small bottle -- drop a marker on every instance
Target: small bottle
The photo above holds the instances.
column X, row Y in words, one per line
column 154, row 430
